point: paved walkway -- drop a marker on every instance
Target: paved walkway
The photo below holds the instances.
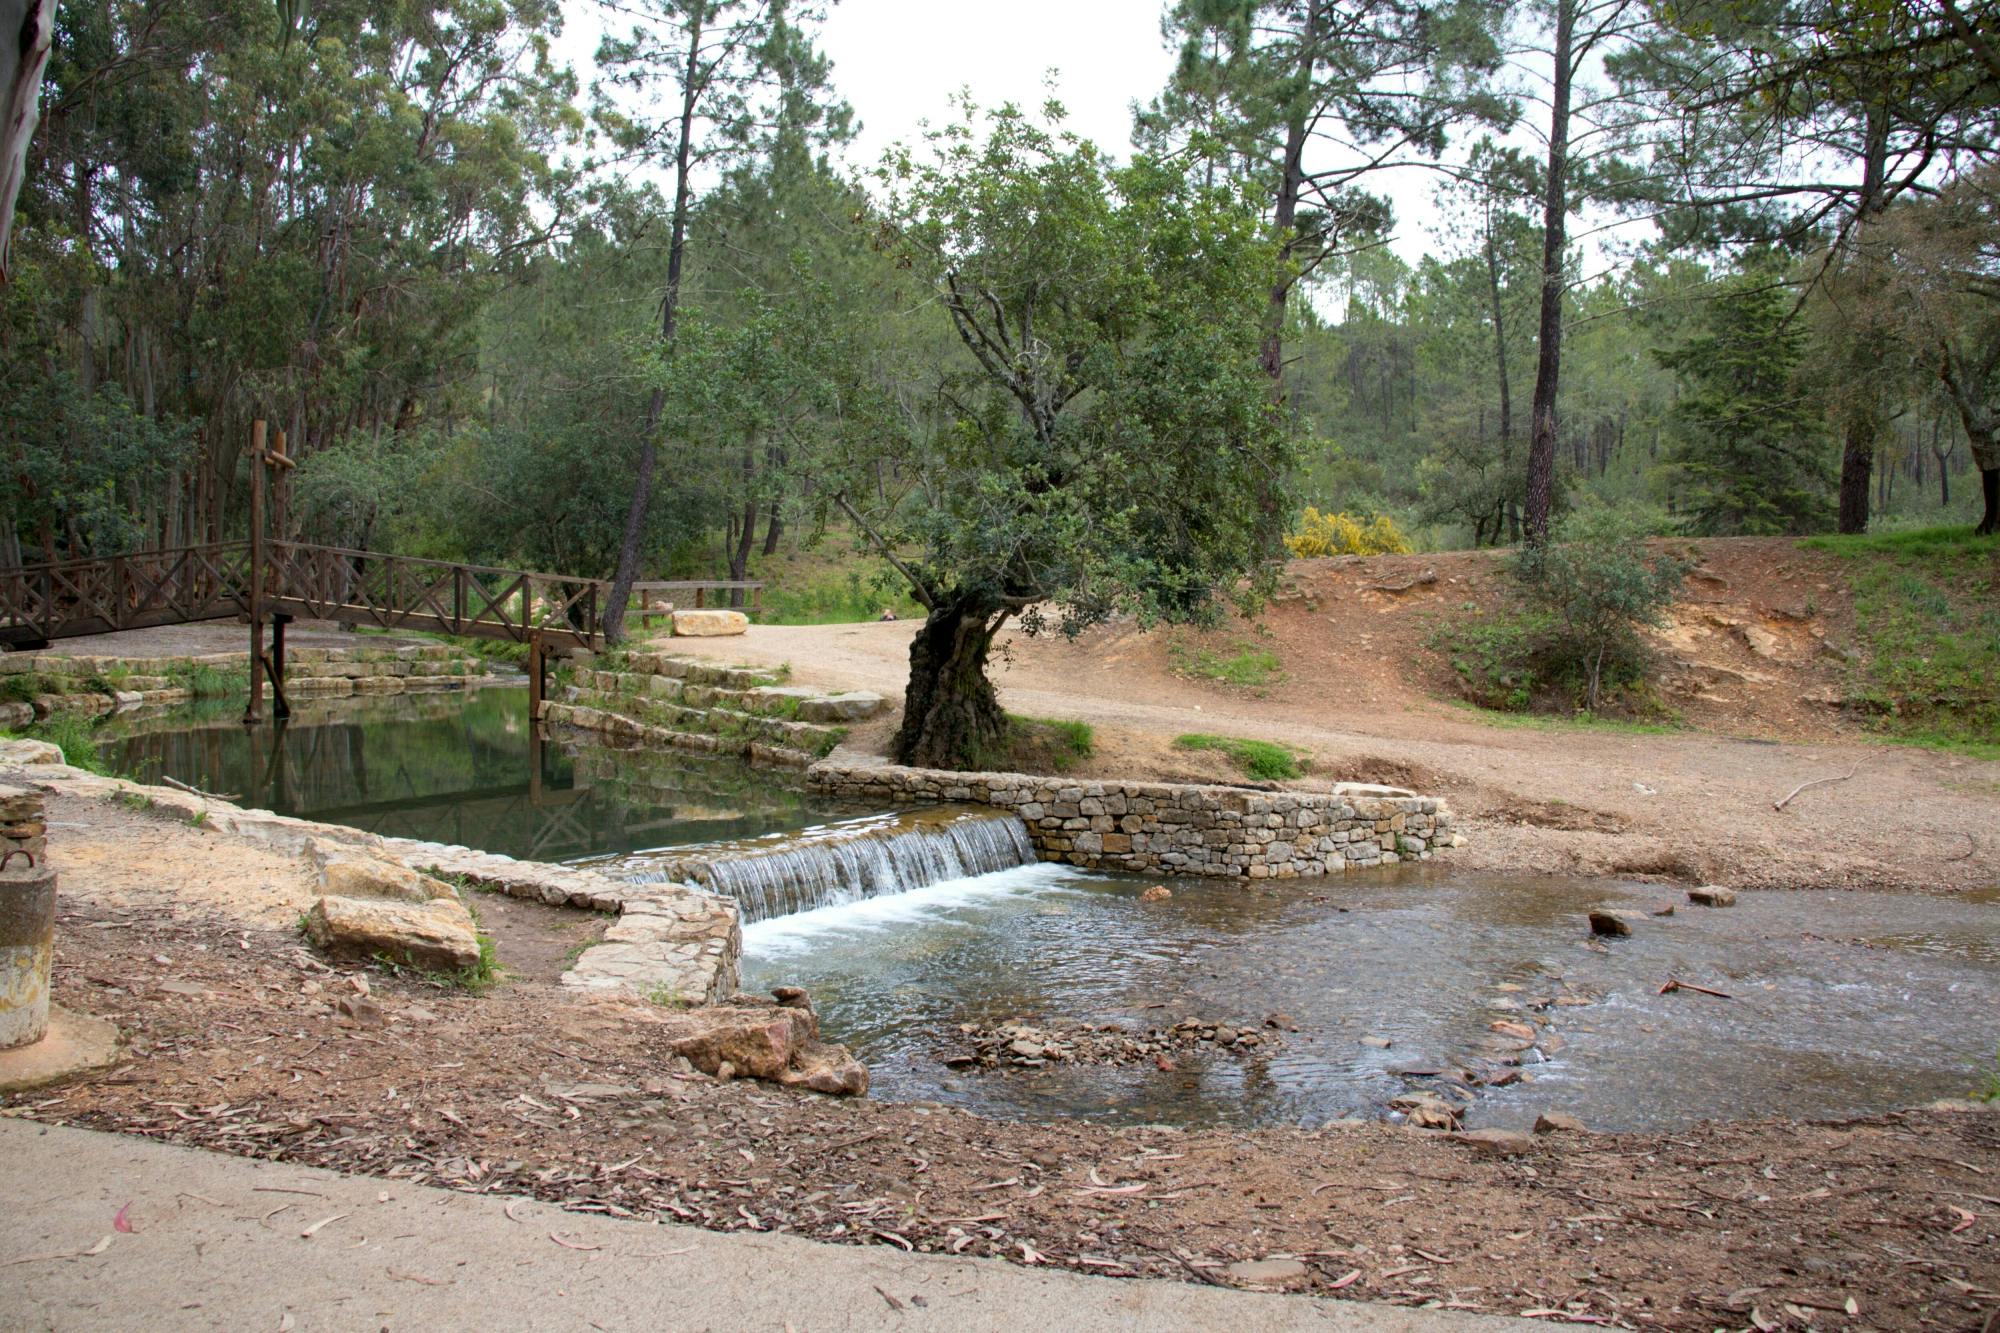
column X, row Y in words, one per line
column 223, row 1242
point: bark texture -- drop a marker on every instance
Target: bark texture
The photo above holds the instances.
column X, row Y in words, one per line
column 951, row 712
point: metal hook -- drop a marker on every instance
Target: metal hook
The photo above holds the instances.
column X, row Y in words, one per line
column 18, row 851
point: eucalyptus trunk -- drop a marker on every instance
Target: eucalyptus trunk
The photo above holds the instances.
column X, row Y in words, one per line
column 1555, row 212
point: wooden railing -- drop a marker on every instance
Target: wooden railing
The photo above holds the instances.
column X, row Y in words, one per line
column 399, row 592
column 41, row 603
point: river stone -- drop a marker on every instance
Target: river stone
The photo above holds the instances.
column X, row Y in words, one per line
column 1554, row 1122
column 825, row 1068
column 437, row 935
column 1505, row 1142
column 1712, row 895
column 1610, row 923
column 709, row 624
column 1267, row 1272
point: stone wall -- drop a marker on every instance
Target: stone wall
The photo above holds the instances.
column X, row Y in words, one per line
column 1165, row 828
column 22, row 828
column 705, row 708
column 96, row 686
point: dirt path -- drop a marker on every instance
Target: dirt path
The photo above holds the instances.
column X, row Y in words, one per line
column 238, row 1043
column 1560, row 799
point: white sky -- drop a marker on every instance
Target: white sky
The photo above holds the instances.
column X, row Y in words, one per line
column 899, row 62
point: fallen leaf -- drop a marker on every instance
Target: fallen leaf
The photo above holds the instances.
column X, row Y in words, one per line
column 308, row 1233
column 123, row 1221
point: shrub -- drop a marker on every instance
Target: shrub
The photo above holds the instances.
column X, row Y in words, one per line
column 1498, row 661
column 1596, row 587
column 1340, row 534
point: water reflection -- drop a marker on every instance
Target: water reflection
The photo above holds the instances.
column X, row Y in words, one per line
column 462, row 768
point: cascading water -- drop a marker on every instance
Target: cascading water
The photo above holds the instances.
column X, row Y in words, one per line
column 842, row 863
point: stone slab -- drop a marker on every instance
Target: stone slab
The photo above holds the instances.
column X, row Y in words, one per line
column 75, row 1044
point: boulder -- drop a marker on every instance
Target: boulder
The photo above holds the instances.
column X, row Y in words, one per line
column 348, row 874
column 1158, row 893
column 757, row 1042
column 1712, row 895
column 824, row 1068
column 708, row 624
column 30, row 752
column 437, row 935
column 1558, row 1122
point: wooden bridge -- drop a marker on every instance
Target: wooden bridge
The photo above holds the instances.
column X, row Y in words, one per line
column 275, row 582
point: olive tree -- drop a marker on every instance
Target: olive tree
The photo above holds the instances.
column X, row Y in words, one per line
column 1102, row 446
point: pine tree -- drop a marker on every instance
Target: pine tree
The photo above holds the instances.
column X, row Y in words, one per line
column 1751, row 456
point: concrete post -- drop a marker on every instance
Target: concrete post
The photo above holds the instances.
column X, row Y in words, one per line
column 27, row 943
column 27, row 918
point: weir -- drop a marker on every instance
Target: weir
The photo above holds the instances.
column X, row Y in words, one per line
column 783, row 873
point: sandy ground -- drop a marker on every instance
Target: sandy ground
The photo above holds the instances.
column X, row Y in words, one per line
column 238, row 1044
column 217, row 636
column 1366, row 702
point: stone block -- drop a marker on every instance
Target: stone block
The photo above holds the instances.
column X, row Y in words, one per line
column 709, row 624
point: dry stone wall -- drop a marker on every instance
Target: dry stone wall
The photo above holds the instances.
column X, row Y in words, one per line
column 1164, row 828
column 96, row 685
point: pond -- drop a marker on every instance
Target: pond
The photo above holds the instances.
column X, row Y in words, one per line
column 464, row 768
column 1839, row 1003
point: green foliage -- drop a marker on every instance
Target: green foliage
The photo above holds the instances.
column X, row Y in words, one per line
column 1037, row 745
column 1929, row 670
column 203, row 681
column 1249, row 667
column 1499, row 659
column 1269, row 761
column 836, row 597
column 1111, row 461
column 72, row 734
column 1751, row 455
column 1596, row 588
column 135, row 800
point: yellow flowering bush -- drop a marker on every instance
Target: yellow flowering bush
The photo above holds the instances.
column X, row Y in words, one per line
column 1342, row 534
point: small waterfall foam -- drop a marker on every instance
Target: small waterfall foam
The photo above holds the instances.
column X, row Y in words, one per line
column 833, row 864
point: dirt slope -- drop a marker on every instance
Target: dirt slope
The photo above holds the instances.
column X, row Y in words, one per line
column 1752, row 663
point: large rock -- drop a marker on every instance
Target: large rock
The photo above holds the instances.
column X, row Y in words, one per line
column 30, row 752
column 755, row 1042
column 755, row 1038
column 1712, row 895
column 437, row 935
column 348, row 874
column 1606, row 922
column 709, row 624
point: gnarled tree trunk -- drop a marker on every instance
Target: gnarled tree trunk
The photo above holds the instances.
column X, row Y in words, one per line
column 951, row 713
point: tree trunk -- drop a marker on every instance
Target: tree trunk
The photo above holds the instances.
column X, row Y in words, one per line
column 627, row 571
column 1500, row 351
column 1864, row 425
column 951, row 713
column 774, row 527
column 1555, row 212
column 1989, row 485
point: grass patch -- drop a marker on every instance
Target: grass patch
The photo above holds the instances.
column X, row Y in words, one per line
column 1989, row 1084
column 1247, row 667
column 828, row 587
column 668, row 998
column 72, row 734
column 203, row 681
column 1928, row 623
column 1039, row 745
column 1268, row 761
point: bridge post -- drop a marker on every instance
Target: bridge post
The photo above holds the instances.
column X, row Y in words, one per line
column 254, row 710
column 281, row 707
column 537, row 679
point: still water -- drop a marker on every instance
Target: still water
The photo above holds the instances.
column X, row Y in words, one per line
column 463, row 768
column 1840, row 1003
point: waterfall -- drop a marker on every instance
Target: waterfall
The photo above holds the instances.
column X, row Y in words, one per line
column 838, row 863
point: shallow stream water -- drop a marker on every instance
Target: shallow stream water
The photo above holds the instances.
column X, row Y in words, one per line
column 1839, row 1003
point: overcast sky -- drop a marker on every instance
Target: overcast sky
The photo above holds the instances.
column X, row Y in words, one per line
column 898, row 63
